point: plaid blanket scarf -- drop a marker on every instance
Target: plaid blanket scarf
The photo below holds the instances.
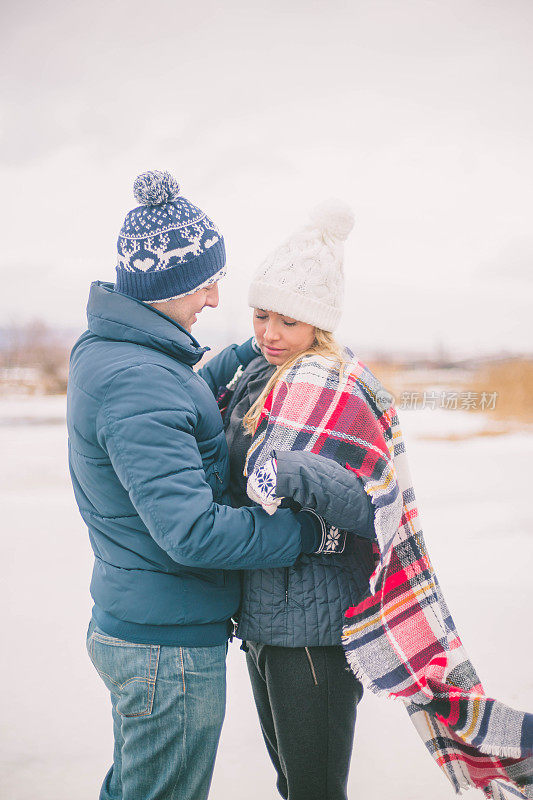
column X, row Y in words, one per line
column 400, row 640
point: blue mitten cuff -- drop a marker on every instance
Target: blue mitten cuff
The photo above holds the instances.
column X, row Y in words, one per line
column 331, row 539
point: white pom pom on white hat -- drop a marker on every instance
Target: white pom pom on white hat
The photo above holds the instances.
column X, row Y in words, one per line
column 303, row 278
column 333, row 217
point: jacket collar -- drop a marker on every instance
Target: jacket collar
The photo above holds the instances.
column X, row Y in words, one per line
column 118, row 317
column 256, row 376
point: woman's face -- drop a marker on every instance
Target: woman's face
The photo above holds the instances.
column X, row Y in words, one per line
column 281, row 337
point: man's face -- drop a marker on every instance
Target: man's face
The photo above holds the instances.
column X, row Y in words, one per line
column 185, row 310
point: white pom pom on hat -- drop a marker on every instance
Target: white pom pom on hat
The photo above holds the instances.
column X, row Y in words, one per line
column 303, row 278
column 334, row 218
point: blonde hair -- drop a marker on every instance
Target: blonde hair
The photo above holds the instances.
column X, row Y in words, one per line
column 324, row 345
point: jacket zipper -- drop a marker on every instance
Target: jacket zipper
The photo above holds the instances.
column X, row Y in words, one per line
column 286, row 584
column 217, row 475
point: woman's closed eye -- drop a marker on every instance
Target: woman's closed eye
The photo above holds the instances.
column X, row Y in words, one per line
column 289, row 323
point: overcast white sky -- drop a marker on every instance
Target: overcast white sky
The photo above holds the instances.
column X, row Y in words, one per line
column 419, row 113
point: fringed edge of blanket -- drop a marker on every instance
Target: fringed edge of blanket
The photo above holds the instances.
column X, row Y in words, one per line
column 501, row 789
column 351, row 659
column 362, row 676
column 460, row 781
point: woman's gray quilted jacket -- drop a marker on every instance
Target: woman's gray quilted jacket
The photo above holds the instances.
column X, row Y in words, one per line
column 303, row 605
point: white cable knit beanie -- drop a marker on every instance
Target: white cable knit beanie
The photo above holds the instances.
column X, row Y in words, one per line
column 303, row 278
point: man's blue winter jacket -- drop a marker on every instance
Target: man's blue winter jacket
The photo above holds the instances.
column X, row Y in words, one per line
column 149, row 465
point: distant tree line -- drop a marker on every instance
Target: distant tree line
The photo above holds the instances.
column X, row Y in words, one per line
column 34, row 356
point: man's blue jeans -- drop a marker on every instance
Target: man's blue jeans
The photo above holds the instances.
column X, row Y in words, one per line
column 168, row 708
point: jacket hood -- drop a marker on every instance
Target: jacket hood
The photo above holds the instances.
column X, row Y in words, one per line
column 115, row 316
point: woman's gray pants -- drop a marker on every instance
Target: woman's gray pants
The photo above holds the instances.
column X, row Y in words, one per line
column 307, row 703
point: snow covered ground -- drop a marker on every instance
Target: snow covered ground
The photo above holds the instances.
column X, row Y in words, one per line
column 55, row 739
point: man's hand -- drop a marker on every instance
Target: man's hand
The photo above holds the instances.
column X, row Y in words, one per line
column 332, row 540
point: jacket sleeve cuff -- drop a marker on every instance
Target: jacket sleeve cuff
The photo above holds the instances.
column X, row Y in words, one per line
column 310, row 531
column 368, row 530
column 246, row 352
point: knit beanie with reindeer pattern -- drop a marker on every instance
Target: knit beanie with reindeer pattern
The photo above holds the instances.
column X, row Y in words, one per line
column 167, row 247
column 303, row 278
